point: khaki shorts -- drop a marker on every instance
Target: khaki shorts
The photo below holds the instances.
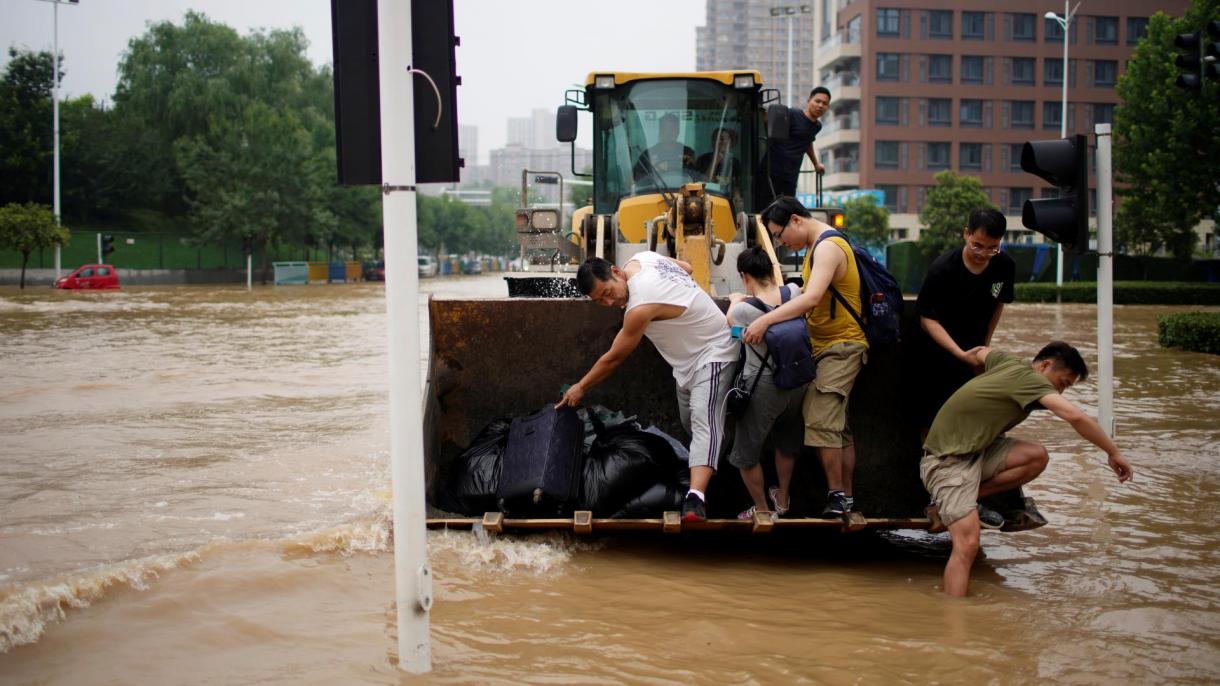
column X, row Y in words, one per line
column 825, row 406
column 953, row 480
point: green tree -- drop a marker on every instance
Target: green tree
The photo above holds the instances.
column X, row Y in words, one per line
column 945, row 211
column 256, row 178
column 28, row 227
column 867, row 223
column 25, row 126
column 1167, row 143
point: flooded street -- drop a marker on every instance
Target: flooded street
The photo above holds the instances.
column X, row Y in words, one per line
column 194, row 488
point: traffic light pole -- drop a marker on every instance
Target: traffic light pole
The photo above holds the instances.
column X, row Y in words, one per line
column 99, row 250
column 1105, row 283
column 412, row 573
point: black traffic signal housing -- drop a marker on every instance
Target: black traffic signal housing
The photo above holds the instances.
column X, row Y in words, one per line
column 354, row 33
column 107, row 244
column 1065, row 164
column 1190, row 61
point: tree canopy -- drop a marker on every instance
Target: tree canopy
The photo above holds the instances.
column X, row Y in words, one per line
column 28, row 227
column 866, row 222
column 1167, row 143
column 946, row 210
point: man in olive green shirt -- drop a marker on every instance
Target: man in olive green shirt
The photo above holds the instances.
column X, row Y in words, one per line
column 967, row 456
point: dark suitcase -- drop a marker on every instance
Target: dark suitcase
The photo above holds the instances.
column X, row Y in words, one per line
column 540, row 473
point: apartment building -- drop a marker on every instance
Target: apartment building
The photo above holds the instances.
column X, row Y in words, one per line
column 921, row 86
column 753, row 34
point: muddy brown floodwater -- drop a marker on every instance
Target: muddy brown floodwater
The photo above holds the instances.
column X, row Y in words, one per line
column 194, row 489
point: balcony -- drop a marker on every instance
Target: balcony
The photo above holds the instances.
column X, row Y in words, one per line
column 844, row 87
column 837, row 137
column 835, row 181
column 835, row 50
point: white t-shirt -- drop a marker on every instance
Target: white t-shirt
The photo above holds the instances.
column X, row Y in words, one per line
column 698, row 336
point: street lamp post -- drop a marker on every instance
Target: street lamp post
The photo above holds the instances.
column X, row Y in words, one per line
column 1066, row 22
column 55, row 120
column 788, row 12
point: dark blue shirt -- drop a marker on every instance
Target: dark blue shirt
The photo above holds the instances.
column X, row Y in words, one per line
column 786, row 155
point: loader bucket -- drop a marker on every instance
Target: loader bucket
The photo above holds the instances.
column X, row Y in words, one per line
column 498, row 358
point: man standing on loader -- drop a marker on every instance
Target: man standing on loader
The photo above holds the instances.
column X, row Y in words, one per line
column 663, row 302
column 784, row 157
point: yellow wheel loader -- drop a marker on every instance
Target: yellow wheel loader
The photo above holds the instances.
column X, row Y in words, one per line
column 676, row 160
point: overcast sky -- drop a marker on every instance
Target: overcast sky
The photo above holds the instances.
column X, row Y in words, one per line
column 514, row 56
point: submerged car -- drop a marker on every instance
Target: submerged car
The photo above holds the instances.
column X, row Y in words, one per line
column 375, row 272
column 91, row 277
column 428, row 266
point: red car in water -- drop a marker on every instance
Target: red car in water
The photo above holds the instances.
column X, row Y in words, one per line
column 91, row 277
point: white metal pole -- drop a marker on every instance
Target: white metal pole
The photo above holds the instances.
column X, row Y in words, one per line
column 1105, row 283
column 55, row 134
column 1063, row 125
column 791, row 100
column 249, row 271
column 412, row 574
column 99, row 249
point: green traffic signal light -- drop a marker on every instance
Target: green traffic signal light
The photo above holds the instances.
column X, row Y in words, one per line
column 1065, row 164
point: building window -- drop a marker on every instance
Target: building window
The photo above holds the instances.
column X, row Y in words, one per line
column 1103, row 113
column 887, row 66
column 938, row 156
column 1105, row 30
column 939, row 112
column 887, row 22
column 940, row 24
column 887, row 110
column 1052, row 73
column 887, row 155
column 1014, row 156
column 1105, row 73
column 826, row 25
column 853, row 30
column 970, row 156
column 940, row 68
column 891, row 196
column 1023, row 27
column 1052, row 30
column 1017, row 198
column 1022, row 114
column 971, row 114
column 972, row 69
column 1052, row 115
column 1023, row 71
column 1137, row 29
column 973, row 25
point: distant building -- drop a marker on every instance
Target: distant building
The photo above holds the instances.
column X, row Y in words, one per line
column 743, row 34
column 507, row 162
column 921, row 86
column 535, row 131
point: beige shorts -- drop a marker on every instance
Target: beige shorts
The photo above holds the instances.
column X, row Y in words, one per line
column 953, row 480
column 825, row 406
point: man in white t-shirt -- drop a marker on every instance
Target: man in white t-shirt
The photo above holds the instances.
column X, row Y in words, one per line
column 663, row 302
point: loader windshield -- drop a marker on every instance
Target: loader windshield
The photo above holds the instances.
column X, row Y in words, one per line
column 654, row 136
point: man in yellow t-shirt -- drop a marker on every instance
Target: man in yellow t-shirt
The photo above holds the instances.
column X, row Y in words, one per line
column 839, row 344
column 967, row 456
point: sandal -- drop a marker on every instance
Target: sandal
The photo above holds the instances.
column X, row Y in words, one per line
column 747, row 514
column 773, row 491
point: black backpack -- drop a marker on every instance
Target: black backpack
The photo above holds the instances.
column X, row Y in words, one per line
column 880, row 315
column 788, row 347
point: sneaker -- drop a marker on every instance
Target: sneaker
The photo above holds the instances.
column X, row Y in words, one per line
column 935, row 524
column 694, row 509
column 836, row 505
column 989, row 518
column 1024, row 519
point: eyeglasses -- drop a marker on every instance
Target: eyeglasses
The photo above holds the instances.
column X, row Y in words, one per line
column 978, row 249
column 775, row 237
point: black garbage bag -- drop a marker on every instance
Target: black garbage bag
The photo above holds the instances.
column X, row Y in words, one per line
column 657, row 499
column 476, row 473
column 622, row 463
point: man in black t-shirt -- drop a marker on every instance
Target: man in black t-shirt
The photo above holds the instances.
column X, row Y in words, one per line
column 959, row 305
column 784, row 157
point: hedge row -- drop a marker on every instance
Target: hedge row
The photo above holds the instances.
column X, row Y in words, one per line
column 1197, row 331
column 1125, row 293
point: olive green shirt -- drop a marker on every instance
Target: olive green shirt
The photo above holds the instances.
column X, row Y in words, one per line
column 987, row 406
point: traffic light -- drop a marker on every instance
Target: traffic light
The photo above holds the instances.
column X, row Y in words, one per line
column 1190, row 61
column 107, row 244
column 1211, row 51
column 1064, row 163
column 247, row 245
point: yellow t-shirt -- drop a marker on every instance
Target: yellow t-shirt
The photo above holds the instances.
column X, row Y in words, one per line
column 826, row 330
